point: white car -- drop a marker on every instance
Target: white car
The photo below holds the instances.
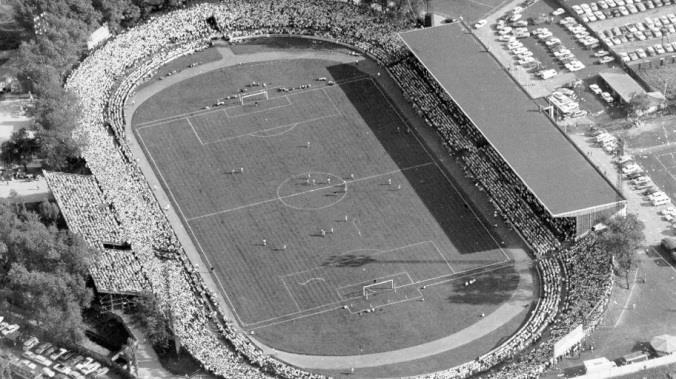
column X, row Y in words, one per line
column 601, row 53
column 480, row 24
column 558, row 12
column 28, row 364
column 595, row 89
column 546, row 74
column 605, row 60
column 10, row 329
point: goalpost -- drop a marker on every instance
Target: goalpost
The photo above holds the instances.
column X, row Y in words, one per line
column 378, row 288
column 249, row 97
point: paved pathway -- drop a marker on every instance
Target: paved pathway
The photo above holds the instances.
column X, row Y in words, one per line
column 503, row 314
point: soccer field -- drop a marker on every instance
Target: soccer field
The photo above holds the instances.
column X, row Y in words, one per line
column 300, row 201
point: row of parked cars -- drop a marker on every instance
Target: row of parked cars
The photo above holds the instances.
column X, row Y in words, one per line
column 650, row 51
column 640, row 31
column 604, row 9
column 642, row 183
column 562, row 54
column 606, row 96
column 579, row 32
column 47, row 360
column 52, row 359
column 605, row 140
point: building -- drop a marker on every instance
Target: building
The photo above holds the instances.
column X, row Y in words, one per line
column 562, row 180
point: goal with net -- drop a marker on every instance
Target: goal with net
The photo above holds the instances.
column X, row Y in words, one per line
column 378, row 288
column 252, row 97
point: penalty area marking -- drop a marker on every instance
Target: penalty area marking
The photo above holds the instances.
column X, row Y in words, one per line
column 335, row 305
column 435, row 161
column 289, row 127
column 311, row 280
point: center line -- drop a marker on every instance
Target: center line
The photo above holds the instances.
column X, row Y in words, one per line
column 309, row 191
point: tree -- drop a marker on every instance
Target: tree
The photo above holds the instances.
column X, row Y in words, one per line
column 621, row 239
column 20, row 148
column 5, row 370
column 640, row 103
column 43, row 273
column 49, row 212
column 154, row 321
column 118, row 13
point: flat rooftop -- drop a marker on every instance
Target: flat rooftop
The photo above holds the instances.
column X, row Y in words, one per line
column 548, row 163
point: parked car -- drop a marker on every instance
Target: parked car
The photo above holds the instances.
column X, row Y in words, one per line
column 595, row 89
column 31, row 342
column 54, row 356
column 42, row 348
column 59, row 367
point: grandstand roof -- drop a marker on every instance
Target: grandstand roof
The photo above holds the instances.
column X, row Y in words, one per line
column 553, row 169
column 624, row 85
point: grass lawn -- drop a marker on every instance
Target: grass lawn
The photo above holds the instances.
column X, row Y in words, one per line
column 657, row 76
column 405, row 221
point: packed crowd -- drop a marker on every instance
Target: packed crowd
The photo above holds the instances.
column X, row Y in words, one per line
column 106, row 78
column 481, row 162
column 88, row 214
column 584, row 293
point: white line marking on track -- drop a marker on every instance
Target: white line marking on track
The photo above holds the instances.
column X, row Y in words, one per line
column 443, row 257
column 310, row 280
column 354, row 222
column 308, row 191
column 657, row 158
column 291, row 295
column 626, row 303
column 194, row 131
column 187, row 224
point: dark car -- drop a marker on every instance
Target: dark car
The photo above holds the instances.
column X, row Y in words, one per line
column 65, row 357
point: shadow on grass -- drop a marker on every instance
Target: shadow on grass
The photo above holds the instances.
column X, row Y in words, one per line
column 349, row 260
column 492, row 288
column 358, row 260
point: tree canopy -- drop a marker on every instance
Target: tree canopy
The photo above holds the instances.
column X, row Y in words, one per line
column 43, row 273
column 58, row 33
column 154, row 321
column 622, row 238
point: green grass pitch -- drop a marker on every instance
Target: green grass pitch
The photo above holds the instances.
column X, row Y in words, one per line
column 333, row 158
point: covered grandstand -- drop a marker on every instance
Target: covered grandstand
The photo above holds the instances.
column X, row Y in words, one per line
column 556, row 174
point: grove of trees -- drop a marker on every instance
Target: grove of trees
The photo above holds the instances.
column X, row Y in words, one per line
column 57, row 32
column 43, row 272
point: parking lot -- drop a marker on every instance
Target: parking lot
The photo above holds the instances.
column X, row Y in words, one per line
column 27, row 355
column 544, row 54
column 639, row 31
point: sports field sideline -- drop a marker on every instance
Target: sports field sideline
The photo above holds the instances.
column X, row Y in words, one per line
column 333, row 158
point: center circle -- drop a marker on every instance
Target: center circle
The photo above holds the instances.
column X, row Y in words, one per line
column 312, row 190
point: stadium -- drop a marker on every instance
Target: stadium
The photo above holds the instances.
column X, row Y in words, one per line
column 355, row 206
